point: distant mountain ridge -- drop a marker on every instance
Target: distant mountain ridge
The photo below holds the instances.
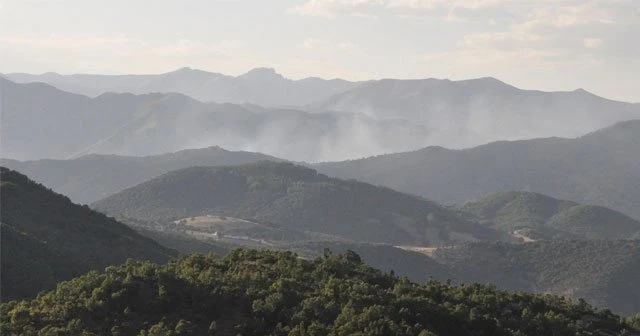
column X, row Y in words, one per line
column 262, row 86
column 600, row 168
column 477, row 111
column 65, row 125
column 347, row 119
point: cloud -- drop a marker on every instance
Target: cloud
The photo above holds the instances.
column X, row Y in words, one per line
column 323, row 45
column 372, row 8
column 591, row 42
column 332, row 8
column 83, row 53
column 549, row 34
column 559, row 13
column 188, row 48
column 434, row 4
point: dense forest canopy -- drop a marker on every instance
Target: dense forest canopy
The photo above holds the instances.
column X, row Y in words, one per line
column 252, row 292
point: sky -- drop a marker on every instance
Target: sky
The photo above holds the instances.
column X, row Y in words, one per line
column 532, row 44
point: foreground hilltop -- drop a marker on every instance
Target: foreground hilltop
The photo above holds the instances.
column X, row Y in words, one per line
column 47, row 239
column 299, row 198
column 270, row 293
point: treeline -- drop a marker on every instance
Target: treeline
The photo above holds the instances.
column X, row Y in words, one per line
column 252, row 292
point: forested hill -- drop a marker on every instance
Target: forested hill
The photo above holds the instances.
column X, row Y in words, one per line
column 46, row 238
column 535, row 216
column 92, row 177
column 296, row 197
column 277, row 293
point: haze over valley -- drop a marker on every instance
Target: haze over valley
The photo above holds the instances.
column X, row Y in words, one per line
column 320, row 167
column 352, row 121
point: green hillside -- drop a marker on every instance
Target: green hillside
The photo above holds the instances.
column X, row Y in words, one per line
column 604, row 273
column 296, row 197
column 541, row 217
column 46, row 239
column 277, row 293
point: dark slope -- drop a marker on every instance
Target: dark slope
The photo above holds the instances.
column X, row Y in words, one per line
column 295, row 197
column 545, row 217
column 599, row 168
column 47, row 239
column 92, row 177
column 604, row 272
column 268, row 293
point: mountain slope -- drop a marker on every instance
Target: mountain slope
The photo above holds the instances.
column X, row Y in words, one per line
column 599, row 168
column 474, row 112
column 267, row 293
column 64, row 125
column 47, row 239
column 92, row 177
column 604, row 272
column 295, row 197
column 260, row 86
column 540, row 216
column 41, row 121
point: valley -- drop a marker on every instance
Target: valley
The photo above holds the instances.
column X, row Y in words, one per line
column 197, row 203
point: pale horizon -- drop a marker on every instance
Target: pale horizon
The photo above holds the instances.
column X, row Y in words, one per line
column 545, row 45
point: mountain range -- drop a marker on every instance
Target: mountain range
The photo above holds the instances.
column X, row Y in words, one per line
column 472, row 112
column 261, row 86
column 330, row 120
column 473, row 181
column 600, row 168
column 65, row 125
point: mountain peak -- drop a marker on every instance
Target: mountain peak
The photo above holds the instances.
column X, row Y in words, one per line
column 262, row 73
column 183, row 69
column 583, row 92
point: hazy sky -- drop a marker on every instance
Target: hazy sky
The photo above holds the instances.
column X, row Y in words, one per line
column 536, row 44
